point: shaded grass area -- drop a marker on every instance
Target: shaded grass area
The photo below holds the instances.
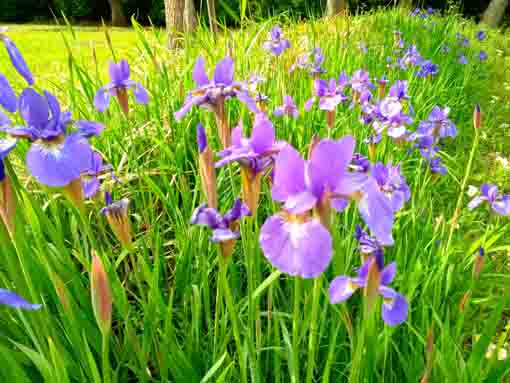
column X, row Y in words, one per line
column 170, row 320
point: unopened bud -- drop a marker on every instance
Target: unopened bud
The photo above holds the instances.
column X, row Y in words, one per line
column 101, row 295
column 251, row 185
column 7, row 204
column 477, row 117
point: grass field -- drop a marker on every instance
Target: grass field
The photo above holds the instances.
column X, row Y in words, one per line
column 179, row 313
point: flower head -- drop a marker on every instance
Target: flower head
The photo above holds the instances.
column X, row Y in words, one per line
column 428, row 68
column 481, row 35
column 437, row 124
column 211, row 93
column 360, row 81
column 119, row 83
column 330, row 94
column 117, row 216
column 500, row 203
column 482, row 56
column 90, row 177
column 394, row 308
column 399, row 90
column 225, row 228
column 288, row 108
column 462, row 60
column 55, row 157
column 276, row 43
column 392, row 183
column 367, row 245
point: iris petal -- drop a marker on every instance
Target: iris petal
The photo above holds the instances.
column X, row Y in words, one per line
column 296, row 248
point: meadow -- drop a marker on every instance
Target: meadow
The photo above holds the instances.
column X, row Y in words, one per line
column 258, row 306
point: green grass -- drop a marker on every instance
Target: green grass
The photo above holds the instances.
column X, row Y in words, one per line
column 174, row 319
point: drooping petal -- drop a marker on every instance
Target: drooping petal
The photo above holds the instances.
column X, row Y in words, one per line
column 17, row 60
column 207, row 217
column 89, row 128
column 328, row 163
column 309, row 103
column 475, row 202
column 199, row 74
column 247, row 100
column 140, row 93
column 102, row 99
column 188, row 104
column 341, row 289
column 21, row 132
column 300, row 203
column 11, row 299
column 289, row 174
column 377, row 213
column 56, row 165
column 395, row 308
column 388, row 274
column 33, row 107
column 350, row 183
column 223, row 235
column 224, row 72
column 7, row 96
column 501, row 207
column 91, row 187
column 296, row 248
column 6, row 147
column 4, row 120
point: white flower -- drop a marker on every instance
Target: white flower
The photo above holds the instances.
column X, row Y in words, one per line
column 472, row 191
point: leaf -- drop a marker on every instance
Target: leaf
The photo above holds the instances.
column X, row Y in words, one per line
column 214, row 368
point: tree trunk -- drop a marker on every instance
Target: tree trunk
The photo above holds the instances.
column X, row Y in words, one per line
column 174, row 15
column 211, row 11
column 495, row 12
column 190, row 18
column 118, row 18
column 334, row 7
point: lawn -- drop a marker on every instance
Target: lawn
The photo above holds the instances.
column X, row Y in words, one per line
column 184, row 311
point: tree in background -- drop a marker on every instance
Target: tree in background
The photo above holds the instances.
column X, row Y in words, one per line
column 495, row 12
column 211, row 11
column 334, row 7
column 180, row 17
column 118, row 18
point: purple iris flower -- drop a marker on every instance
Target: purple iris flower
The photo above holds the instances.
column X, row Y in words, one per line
column 276, row 43
column 360, row 163
column 119, row 83
column 428, row 68
column 292, row 241
column 210, row 93
column 288, row 108
column 360, row 81
column 17, row 59
column 462, row 60
column 318, row 59
column 8, row 98
column 482, row 56
column 394, row 308
column 391, row 118
column 224, row 227
column 445, row 49
column 90, row 180
column 373, row 139
column 392, row 183
column 6, row 147
column 499, row 203
column 55, row 158
column 330, row 94
column 436, row 166
column 11, row 299
column 399, row 90
column 481, row 35
column 465, row 42
column 367, row 245
column 437, row 124
column 255, row 152
column 412, row 56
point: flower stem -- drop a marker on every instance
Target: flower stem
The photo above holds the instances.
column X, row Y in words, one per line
column 295, row 329
column 456, row 213
column 313, row 329
column 229, row 300
column 106, row 359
